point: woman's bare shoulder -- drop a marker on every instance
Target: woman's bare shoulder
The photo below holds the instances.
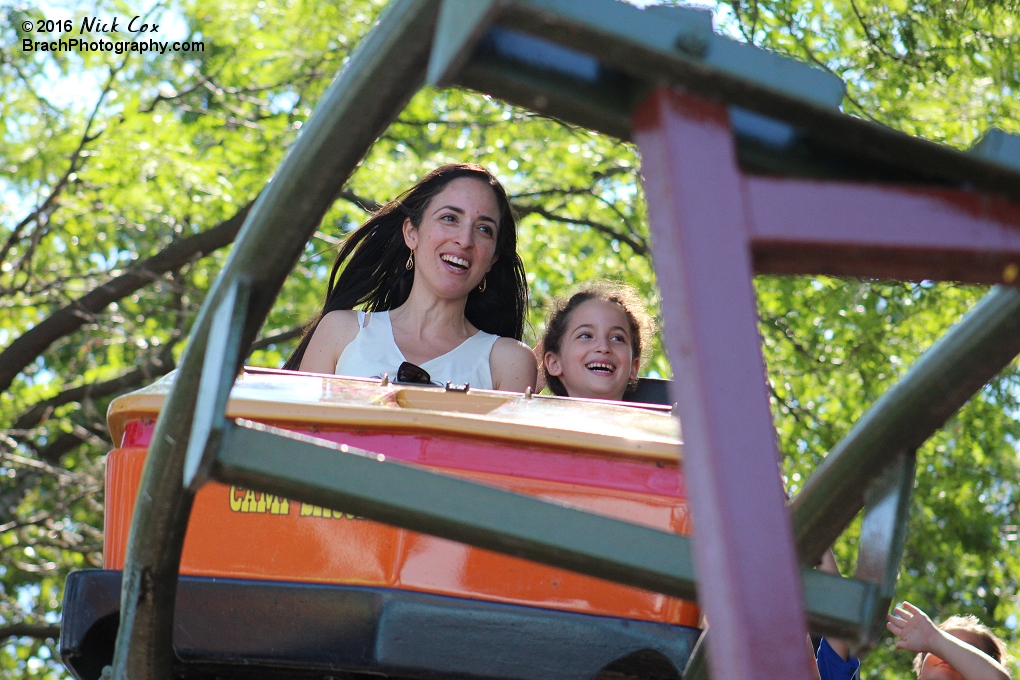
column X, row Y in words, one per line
column 512, row 365
column 329, row 339
column 342, row 320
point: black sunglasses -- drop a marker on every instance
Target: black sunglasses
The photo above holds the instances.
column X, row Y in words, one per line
column 410, row 373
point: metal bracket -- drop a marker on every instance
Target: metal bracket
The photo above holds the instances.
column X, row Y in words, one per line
column 886, row 510
column 999, row 146
column 697, row 662
column 540, row 47
column 837, row 607
column 219, row 369
column 883, row 533
column 460, row 26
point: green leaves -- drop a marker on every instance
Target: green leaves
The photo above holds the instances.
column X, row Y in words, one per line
column 108, row 161
column 941, row 70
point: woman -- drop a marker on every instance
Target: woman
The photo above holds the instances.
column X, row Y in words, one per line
column 437, row 271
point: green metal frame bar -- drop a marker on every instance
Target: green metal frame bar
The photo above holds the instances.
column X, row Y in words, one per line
column 883, row 533
column 384, row 72
column 657, row 44
column 222, row 350
column 341, row 478
column 970, row 354
column 632, row 49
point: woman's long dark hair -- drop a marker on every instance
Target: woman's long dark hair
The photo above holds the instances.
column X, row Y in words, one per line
column 369, row 270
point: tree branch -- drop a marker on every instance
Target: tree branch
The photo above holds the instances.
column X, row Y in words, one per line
column 76, row 157
column 177, row 95
column 40, row 631
column 55, row 450
column 40, row 411
column 159, row 366
column 366, row 204
column 874, row 40
column 636, row 243
column 24, row 350
column 282, row 336
column 5, row 59
column 60, row 508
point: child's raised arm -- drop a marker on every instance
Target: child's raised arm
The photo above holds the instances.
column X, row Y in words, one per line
column 919, row 634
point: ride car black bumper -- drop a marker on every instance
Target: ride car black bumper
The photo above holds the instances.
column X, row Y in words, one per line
column 229, row 628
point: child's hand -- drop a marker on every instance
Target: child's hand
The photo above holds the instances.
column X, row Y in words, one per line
column 919, row 634
column 911, row 624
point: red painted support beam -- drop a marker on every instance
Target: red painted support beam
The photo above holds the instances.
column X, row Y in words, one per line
column 743, row 543
column 882, row 231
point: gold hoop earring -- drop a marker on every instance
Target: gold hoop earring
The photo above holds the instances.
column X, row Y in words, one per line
column 481, row 287
column 409, row 265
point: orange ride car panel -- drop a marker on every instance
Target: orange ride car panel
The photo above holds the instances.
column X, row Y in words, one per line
column 616, row 460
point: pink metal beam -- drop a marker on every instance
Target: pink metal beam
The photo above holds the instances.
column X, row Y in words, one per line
column 744, row 551
column 882, row 231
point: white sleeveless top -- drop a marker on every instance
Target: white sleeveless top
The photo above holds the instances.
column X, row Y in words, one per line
column 374, row 352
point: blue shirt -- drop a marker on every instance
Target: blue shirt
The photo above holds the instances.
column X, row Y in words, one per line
column 831, row 666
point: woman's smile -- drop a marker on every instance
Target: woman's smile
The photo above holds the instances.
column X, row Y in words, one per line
column 456, row 263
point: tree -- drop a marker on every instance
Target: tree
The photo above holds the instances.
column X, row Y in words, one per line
column 120, row 204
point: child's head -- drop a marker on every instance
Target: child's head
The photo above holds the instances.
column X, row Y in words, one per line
column 593, row 341
column 968, row 629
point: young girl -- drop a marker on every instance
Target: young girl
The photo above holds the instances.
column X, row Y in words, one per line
column 960, row 648
column 593, row 342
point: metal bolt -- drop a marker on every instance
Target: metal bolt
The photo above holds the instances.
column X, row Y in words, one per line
column 691, row 44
